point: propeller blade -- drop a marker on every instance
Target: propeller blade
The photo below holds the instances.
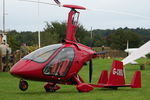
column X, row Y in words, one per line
column 101, row 52
column 90, row 71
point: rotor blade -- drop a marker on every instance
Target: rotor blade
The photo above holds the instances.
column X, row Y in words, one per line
column 121, row 13
column 57, row 2
column 42, row 2
column 90, row 71
column 101, row 10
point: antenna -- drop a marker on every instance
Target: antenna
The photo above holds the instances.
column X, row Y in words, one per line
column 3, row 35
column 3, row 16
column 39, row 33
column 91, row 33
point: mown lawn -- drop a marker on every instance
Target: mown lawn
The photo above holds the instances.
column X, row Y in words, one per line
column 9, row 86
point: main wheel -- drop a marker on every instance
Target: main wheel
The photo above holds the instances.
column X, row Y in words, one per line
column 50, row 90
column 23, row 85
column 51, row 87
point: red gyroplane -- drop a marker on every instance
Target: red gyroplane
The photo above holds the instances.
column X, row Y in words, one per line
column 60, row 64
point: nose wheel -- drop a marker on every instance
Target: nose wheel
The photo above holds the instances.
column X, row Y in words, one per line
column 23, row 85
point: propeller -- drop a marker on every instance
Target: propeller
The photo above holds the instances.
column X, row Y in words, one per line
column 90, row 70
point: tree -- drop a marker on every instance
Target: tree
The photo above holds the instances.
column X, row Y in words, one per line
column 56, row 29
column 12, row 40
column 118, row 39
column 55, row 32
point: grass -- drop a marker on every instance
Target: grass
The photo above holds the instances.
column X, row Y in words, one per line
column 9, row 86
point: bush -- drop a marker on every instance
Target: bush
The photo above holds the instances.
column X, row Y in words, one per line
column 148, row 55
column 31, row 48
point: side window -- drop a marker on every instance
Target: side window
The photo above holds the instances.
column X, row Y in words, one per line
column 61, row 63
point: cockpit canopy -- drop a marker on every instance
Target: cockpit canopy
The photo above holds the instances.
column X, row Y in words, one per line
column 59, row 65
column 43, row 54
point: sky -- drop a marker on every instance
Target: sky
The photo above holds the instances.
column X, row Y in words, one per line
column 101, row 14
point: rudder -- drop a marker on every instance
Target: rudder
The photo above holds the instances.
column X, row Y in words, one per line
column 116, row 77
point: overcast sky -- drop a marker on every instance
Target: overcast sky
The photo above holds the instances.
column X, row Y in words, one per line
column 105, row 14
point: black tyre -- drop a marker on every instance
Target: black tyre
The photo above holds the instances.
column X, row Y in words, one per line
column 23, row 85
column 50, row 90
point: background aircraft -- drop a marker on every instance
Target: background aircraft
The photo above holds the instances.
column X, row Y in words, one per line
column 137, row 53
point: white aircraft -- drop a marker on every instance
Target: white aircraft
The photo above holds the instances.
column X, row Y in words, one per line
column 138, row 53
column 130, row 51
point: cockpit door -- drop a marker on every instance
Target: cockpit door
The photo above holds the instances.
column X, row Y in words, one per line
column 61, row 63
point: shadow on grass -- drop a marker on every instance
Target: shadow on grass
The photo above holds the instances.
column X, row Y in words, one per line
column 117, row 90
column 76, row 92
column 31, row 93
column 45, row 93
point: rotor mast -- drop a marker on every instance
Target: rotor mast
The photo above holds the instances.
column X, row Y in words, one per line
column 72, row 23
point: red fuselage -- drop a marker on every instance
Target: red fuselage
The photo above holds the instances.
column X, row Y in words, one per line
column 34, row 70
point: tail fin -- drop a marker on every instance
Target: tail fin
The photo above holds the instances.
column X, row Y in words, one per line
column 136, row 81
column 116, row 77
column 103, row 77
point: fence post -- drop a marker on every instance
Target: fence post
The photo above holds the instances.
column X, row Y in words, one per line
column 142, row 67
column 17, row 56
column 7, row 68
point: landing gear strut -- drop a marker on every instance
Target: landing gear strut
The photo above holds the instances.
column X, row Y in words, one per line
column 23, row 85
column 51, row 87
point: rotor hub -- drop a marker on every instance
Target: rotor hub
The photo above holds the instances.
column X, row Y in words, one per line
column 74, row 7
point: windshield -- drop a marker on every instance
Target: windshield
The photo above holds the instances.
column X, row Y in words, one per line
column 61, row 63
column 42, row 54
